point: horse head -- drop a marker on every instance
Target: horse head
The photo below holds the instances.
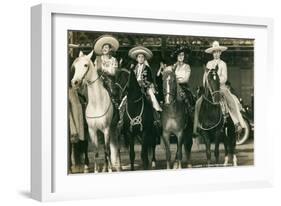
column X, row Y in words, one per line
column 81, row 67
column 169, row 86
column 212, row 85
column 122, row 81
column 133, row 88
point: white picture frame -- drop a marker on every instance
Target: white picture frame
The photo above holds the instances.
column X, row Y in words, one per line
column 49, row 179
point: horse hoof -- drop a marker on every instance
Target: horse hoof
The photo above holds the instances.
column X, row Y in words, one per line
column 86, row 169
column 110, row 170
column 189, row 166
column 104, row 169
column 176, row 166
column 153, row 165
column 225, row 161
column 235, row 161
column 168, row 166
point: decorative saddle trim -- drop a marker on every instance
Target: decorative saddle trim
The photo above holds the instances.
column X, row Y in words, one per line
column 136, row 120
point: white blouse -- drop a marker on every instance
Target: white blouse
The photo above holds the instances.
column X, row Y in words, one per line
column 182, row 73
column 109, row 65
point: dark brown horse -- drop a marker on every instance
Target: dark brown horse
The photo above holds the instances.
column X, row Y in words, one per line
column 138, row 123
column 175, row 120
column 214, row 127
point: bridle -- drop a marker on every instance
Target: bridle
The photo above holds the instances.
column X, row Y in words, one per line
column 207, row 86
column 89, row 83
column 165, row 93
column 212, row 93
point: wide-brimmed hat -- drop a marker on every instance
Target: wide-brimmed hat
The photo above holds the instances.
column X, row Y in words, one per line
column 73, row 45
column 216, row 47
column 106, row 39
column 179, row 49
column 133, row 53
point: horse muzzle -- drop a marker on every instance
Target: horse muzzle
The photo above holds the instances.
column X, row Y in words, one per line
column 76, row 83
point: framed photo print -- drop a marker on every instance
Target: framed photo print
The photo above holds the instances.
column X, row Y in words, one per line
column 135, row 102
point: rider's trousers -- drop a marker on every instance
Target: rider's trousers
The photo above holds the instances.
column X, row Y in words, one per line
column 154, row 101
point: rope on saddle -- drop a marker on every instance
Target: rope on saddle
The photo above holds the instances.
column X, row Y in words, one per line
column 136, row 120
column 212, row 127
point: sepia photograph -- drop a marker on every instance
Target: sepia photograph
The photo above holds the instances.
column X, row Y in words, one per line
column 156, row 102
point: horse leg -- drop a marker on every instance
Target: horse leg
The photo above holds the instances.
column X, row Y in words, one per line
column 145, row 151
column 115, row 151
column 72, row 159
column 149, row 146
column 187, row 147
column 225, row 143
column 108, row 164
column 177, row 164
column 217, row 152
column 217, row 145
column 86, row 158
column 146, row 156
column 150, row 156
column 132, row 152
column 153, row 164
column 208, row 148
column 75, row 155
column 94, row 139
column 233, row 148
column 166, row 141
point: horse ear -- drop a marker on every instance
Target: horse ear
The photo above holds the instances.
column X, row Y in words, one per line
column 81, row 54
column 89, row 56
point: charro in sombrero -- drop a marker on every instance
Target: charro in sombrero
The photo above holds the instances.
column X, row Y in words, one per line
column 106, row 39
column 216, row 47
column 133, row 53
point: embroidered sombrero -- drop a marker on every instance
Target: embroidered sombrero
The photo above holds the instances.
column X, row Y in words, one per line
column 105, row 39
column 140, row 50
column 216, row 47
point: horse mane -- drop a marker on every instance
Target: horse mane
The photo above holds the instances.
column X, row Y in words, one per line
column 134, row 89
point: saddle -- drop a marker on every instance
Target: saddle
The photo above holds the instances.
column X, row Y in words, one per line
column 184, row 94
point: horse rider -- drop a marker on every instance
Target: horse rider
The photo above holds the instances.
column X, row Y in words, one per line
column 221, row 67
column 107, row 65
column 143, row 73
column 182, row 71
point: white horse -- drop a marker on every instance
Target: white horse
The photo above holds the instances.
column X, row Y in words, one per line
column 99, row 111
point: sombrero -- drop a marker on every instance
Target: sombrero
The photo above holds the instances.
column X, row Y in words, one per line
column 105, row 39
column 73, row 45
column 216, row 47
column 140, row 50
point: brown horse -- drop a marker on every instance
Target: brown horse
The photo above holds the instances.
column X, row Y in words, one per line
column 174, row 120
